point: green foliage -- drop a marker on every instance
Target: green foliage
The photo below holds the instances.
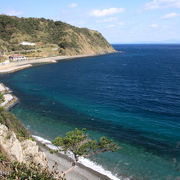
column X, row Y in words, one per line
column 1, row 98
column 20, row 171
column 13, row 124
column 80, row 144
column 32, row 172
column 3, row 46
column 2, row 157
column 14, row 30
column 1, row 109
column 31, row 138
column 52, row 151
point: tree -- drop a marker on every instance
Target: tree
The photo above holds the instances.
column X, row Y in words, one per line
column 78, row 142
column 1, row 98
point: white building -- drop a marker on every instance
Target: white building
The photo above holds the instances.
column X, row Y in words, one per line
column 26, row 43
column 17, row 57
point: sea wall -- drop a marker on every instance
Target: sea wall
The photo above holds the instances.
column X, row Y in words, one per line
column 9, row 99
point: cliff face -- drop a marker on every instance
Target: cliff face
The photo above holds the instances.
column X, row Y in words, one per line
column 20, row 156
column 25, row 151
column 63, row 38
column 16, row 142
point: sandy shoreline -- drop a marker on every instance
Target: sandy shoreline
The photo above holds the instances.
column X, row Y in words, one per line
column 64, row 162
column 16, row 66
column 82, row 172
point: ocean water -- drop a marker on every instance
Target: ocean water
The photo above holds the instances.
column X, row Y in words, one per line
column 132, row 96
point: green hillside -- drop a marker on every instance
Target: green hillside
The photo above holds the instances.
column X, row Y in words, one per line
column 49, row 35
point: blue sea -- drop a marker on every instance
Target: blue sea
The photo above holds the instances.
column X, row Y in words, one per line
column 132, row 97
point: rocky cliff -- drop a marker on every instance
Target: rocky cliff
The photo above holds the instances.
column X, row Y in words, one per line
column 55, row 36
column 20, row 156
column 25, row 151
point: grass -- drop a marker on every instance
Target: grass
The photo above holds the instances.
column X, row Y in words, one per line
column 9, row 120
column 20, row 171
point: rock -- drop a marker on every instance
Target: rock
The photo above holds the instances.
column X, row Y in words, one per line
column 10, row 144
column 31, row 153
column 26, row 151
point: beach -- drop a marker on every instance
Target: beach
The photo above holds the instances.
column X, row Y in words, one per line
column 19, row 65
column 85, row 169
column 122, row 96
column 88, row 171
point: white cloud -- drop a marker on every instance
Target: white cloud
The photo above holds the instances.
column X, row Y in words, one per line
column 73, row 5
column 156, row 4
column 13, row 13
column 118, row 24
column 110, row 19
column 107, row 20
column 154, row 25
column 106, row 12
column 170, row 15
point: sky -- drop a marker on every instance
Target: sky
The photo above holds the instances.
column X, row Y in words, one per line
column 120, row 21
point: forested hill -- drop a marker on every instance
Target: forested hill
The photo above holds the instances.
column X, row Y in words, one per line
column 64, row 38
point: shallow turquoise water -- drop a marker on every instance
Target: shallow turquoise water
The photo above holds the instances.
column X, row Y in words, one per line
column 132, row 97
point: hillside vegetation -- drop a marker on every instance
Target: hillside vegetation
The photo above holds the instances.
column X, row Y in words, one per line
column 10, row 168
column 62, row 38
column 8, row 119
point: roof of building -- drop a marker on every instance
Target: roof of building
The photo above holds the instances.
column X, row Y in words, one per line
column 16, row 55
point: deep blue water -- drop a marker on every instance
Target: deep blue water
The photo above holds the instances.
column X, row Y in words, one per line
column 132, row 97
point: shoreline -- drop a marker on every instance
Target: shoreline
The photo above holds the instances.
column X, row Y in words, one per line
column 10, row 100
column 86, row 169
column 20, row 65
